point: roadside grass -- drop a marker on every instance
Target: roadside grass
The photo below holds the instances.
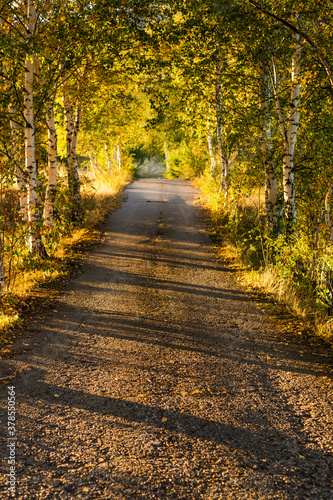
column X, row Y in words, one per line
column 30, row 279
column 281, row 275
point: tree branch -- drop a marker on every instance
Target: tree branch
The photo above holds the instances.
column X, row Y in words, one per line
column 326, row 66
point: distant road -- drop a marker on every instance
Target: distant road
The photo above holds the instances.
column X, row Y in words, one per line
column 151, row 167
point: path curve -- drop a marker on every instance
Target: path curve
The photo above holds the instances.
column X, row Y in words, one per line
column 156, row 377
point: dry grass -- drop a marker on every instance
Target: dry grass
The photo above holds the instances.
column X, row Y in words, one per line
column 100, row 196
column 266, row 280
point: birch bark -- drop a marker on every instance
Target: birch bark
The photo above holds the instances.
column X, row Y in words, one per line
column 328, row 221
column 52, row 164
column 72, row 131
column 273, row 211
column 108, row 158
column 2, row 270
column 166, row 154
column 219, row 131
column 119, row 158
column 225, row 161
column 289, row 135
column 36, row 245
column 52, row 169
column 92, row 163
column 19, row 168
column 211, row 152
column 115, row 162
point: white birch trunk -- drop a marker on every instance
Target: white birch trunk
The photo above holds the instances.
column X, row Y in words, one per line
column 288, row 160
column 72, row 131
column 289, row 136
column 52, row 169
column 92, row 163
column 224, row 180
column 273, row 212
column 115, row 156
column 211, row 153
column 328, row 221
column 119, row 158
column 52, row 163
column 219, row 129
column 2, row 269
column 19, row 168
column 36, row 245
column 108, row 159
column 166, row 154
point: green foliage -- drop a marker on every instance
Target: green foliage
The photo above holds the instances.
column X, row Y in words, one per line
column 186, row 160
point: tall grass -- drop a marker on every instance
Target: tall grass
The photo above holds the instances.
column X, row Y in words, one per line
column 296, row 275
column 26, row 274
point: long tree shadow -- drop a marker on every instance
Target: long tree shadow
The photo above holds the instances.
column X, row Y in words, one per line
column 240, row 345
column 139, row 280
column 266, row 444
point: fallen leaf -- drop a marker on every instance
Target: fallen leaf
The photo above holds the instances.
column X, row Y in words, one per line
column 164, row 419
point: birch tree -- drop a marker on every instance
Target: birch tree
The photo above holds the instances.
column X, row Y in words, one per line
column 19, row 166
column 52, row 164
column 273, row 209
column 72, row 131
column 2, row 269
column 224, row 182
column 289, row 129
column 225, row 160
column 36, row 245
column 108, row 158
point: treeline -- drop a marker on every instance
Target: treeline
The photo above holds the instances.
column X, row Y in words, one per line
column 237, row 93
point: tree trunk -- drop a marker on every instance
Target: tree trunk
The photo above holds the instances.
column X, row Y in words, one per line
column 166, row 154
column 119, row 158
column 288, row 159
column 328, row 221
column 219, row 131
column 108, row 158
column 52, row 169
column 289, row 137
column 36, row 245
column 92, row 163
column 224, row 160
column 51, row 190
column 2, row 269
column 19, row 168
column 72, row 131
column 273, row 211
column 211, row 153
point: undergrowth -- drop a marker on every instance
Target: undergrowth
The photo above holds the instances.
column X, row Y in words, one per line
column 295, row 274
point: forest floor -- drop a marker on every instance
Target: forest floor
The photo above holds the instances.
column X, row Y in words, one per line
column 156, row 376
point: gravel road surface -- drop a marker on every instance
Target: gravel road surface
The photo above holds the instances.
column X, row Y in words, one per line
column 155, row 376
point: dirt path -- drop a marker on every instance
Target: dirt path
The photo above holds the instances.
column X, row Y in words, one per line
column 156, row 376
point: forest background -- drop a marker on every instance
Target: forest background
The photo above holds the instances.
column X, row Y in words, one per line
column 234, row 95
